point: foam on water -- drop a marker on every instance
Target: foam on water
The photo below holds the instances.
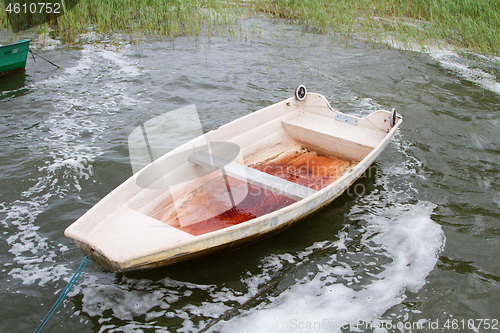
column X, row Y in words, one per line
column 334, row 295
column 478, row 71
column 64, row 150
column 477, row 68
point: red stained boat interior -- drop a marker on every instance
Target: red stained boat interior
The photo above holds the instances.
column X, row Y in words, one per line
column 302, row 166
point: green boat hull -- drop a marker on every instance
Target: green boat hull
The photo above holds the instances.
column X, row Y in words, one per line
column 13, row 56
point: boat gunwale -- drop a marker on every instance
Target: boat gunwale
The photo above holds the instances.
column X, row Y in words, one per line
column 21, row 41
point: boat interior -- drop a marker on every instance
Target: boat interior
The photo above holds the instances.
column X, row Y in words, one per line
column 299, row 148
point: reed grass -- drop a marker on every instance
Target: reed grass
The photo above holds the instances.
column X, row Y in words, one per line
column 471, row 25
column 467, row 24
column 168, row 18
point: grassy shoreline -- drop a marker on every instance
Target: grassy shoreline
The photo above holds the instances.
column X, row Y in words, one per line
column 470, row 25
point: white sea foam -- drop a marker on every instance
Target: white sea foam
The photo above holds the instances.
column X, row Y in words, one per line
column 123, row 64
column 466, row 69
column 473, row 67
column 408, row 237
column 64, row 141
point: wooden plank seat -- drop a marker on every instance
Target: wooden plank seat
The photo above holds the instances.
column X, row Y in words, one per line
column 252, row 176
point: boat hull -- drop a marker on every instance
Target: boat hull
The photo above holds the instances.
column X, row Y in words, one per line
column 13, row 56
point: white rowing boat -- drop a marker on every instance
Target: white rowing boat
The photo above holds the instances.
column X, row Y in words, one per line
column 234, row 185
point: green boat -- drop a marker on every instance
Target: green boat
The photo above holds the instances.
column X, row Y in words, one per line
column 13, row 56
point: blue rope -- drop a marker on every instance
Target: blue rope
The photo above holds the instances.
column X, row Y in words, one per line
column 65, row 292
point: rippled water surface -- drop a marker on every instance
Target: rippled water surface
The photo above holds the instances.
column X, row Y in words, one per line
column 413, row 242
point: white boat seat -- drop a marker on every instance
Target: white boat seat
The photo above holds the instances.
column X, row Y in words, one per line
column 252, row 176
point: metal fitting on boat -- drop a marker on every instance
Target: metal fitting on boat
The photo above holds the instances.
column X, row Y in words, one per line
column 301, row 92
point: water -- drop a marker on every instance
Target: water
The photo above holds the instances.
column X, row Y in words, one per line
column 414, row 242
